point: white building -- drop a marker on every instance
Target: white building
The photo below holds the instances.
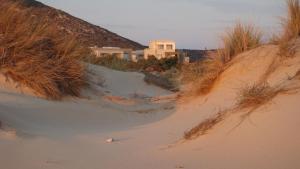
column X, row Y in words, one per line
column 160, row 49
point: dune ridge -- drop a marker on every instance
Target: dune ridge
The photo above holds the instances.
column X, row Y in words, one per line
column 72, row 133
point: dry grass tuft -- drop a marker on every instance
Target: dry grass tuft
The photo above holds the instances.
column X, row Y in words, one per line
column 256, row 95
column 202, row 128
column 35, row 55
column 250, row 97
column 291, row 29
column 292, row 22
column 240, row 39
column 205, row 73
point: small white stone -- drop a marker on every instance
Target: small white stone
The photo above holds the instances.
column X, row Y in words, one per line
column 110, row 140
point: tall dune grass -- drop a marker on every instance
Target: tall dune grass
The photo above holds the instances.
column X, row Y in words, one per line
column 252, row 97
column 291, row 29
column 241, row 38
column 292, row 22
column 205, row 73
column 35, row 55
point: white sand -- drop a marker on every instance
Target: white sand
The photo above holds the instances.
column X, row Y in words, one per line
column 72, row 134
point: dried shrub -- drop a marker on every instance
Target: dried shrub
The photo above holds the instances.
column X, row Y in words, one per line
column 35, row 55
column 203, row 127
column 256, row 95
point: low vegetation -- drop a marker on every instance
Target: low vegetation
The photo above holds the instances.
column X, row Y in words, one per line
column 149, row 65
column 34, row 54
column 167, row 80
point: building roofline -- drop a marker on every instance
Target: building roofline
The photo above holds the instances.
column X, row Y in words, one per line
column 162, row 40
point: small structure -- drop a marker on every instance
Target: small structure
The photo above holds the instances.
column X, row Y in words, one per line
column 183, row 57
column 160, row 49
column 137, row 55
column 113, row 51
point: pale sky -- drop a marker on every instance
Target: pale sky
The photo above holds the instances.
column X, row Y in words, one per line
column 193, row 24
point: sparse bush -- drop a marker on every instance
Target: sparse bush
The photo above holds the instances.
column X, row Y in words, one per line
column 169, row 63
column 240, row 39
column 161, row 65
column 34, row 54
column 169, row 79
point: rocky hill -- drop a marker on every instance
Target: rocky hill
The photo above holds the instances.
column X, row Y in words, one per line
column 87, row 33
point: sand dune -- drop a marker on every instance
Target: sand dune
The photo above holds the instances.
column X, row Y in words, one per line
column 148, row 131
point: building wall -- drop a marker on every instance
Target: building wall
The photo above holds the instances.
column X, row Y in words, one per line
column 118, row 52
column 137, row 55
column 160, row 49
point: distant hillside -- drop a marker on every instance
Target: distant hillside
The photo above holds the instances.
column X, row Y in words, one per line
column 87, row 33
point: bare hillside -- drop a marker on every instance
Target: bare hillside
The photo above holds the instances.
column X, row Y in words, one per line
column 85, row 32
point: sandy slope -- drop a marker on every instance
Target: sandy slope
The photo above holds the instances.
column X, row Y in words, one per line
column 71, row 134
